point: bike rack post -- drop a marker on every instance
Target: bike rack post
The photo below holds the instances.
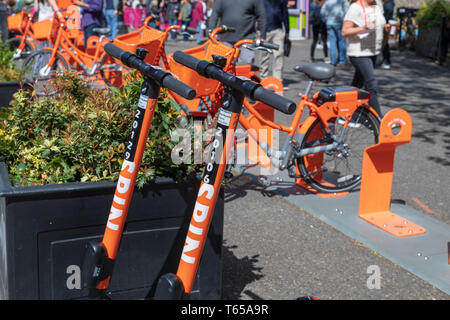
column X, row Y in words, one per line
column 377, row 175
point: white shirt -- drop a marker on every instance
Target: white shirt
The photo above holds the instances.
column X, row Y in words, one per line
column 367, row 44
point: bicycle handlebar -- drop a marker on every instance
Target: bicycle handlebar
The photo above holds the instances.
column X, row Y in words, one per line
column 247, row 87
column 267, row 45
column 165, row 79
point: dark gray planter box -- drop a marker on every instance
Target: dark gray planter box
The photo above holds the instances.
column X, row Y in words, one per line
column 7, row 89
column 43, row 230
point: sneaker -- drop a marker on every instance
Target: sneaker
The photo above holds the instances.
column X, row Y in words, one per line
column 385, row 66
column 326, row 60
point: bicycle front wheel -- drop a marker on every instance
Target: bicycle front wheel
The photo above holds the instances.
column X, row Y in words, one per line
column 338, row 169
column 39, row 71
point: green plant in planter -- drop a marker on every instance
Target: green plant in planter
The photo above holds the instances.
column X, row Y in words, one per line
column 8, row 69
column 80, row 133
column 431, row 12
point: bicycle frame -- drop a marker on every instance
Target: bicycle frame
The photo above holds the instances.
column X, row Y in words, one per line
column 65, row 47
column 296, row 131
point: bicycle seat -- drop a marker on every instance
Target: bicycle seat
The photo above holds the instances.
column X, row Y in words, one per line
column 102, row 31
column 320, row 71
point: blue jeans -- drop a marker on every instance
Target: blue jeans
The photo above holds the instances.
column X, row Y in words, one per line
column 173, row 34
column 200, row 31
column 337, row 44
column 111, row 22
column 186, row 25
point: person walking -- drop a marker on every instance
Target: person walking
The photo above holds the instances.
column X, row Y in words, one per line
column 111, row 14
column 388, row 8
column 173, row 9
column 333, row 12
column 46, row 8
column 277, row 30
column 318, row 27
column 185, row 16
column 243, row 16
column 363, row 27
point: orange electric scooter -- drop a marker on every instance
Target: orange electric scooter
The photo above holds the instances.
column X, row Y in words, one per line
column 179, row 285
column 100, row 257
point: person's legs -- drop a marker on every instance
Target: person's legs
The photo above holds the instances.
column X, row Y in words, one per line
column 265, row 58
column 365, row 78
column 342, row 45
column 185, row 25
column 111, row 22
column 333, row 43
column 173, row 34
column 88, row 32
column 315, row 33
column 324, row 38
column 199, row 33
column 278, row 55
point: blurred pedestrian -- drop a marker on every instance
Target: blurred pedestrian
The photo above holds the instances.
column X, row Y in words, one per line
column 173, row 9
column 243, row 16
column 277, row 30
column 185, row 16
column 46, row 8
column 153, row 10
column 198, row 19
column 388, row 8
column 333, row 12
column 319, row 28
column 111, row 15
column 363, row 28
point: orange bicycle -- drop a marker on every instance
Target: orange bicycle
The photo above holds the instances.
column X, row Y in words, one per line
column 210, row 91
column 326, row 149
column 66, row 55
column 31, row 35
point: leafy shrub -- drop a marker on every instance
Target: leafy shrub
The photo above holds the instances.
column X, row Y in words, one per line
column 8, row 71
column 431, row 12
column 80, row 134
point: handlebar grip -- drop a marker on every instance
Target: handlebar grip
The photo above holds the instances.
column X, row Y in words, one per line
column 186, row 60
column 274, row 100
column 269, row 45
column 227, row 29
column 114, row 51
column 178, row 87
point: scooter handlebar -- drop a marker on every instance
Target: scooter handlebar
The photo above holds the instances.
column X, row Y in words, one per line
column 246, row 86
column 165, row 79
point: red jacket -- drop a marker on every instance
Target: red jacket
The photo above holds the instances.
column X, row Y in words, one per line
column 197, row 15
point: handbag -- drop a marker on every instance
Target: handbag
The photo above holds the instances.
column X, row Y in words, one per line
column 287, row 47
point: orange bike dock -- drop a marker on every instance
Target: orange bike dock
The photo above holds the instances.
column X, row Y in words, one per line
column 411, row 239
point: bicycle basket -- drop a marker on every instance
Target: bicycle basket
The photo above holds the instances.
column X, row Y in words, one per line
column 145, row 37
column 45, row 30
column 203, row 87
column 18, row 22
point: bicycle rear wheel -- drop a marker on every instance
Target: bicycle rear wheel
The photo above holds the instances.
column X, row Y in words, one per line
column 39, row 72
column 339, row 169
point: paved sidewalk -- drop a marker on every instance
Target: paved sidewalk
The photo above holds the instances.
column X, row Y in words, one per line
column 275, row 250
